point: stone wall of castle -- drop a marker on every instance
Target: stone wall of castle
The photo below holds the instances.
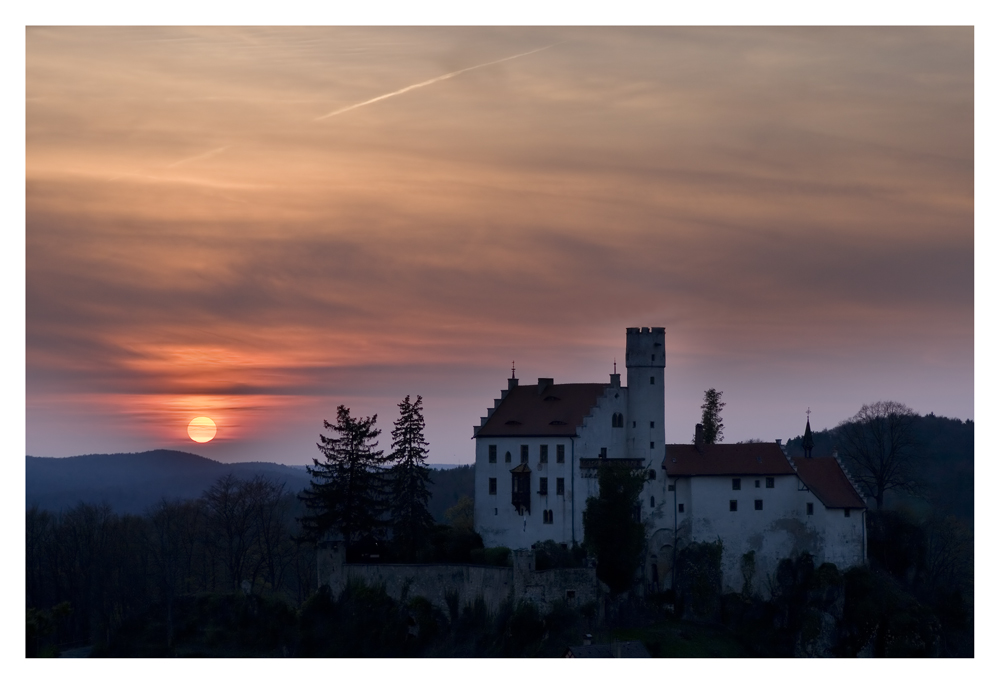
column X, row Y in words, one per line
column 435, row 582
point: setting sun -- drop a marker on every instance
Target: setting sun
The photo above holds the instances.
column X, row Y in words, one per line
column 201, row 429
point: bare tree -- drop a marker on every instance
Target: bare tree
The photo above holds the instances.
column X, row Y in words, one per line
column 880, row 449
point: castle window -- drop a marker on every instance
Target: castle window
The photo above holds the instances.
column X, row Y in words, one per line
column 493, row 485
column 652, row 445
column 652, row 380
column 604, row 452
column 506, row 457
column 560, row 453
column 847, row 512
column 493, row 453
column 496, row 511
column 758, row 504
column 560, row 486
column 756, row 484
column 732, row 504
column 617, row 420
column 652, row 502
column 652, row 357
column 680, row 508
column 652, row 423
column 736, row 484
column 809, row 508
column 770, row 483
column 543, row 485
column 547, row 517
column 524, row 453
column 633, row 423
column 543, row 453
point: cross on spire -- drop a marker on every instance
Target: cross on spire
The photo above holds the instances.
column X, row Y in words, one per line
column 808, row 411
column 512, row 369
column 616, row 366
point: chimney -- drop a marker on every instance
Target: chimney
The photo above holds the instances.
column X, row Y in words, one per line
column 544, row 384
column 699, row 437
column 616, row 380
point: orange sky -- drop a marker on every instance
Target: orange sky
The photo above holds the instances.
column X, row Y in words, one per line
column 795, row 206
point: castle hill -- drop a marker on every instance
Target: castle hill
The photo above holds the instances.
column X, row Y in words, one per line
column 464, row 341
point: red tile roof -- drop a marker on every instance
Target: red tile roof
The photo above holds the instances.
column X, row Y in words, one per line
column 826, row 479
column 764, row 458
column 558, row 411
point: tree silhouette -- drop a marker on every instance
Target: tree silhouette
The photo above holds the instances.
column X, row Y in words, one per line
column 411, row 522
column 711, row 416
column 880, row 449
column 611, row 527
column 348, row 492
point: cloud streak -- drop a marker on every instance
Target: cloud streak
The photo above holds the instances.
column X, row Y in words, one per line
column 429, row 82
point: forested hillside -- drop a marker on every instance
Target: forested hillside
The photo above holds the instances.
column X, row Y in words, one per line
column 945, row 454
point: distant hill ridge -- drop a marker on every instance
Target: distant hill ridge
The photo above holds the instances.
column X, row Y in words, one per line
column 132, row 482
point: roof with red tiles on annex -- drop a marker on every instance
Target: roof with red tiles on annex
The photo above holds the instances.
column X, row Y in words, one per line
column 558, row 410
column 826, row 479
column 757, row 458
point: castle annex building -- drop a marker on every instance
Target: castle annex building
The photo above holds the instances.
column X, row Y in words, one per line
column 539, row 447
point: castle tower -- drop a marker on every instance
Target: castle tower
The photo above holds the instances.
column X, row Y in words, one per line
column 645, row 359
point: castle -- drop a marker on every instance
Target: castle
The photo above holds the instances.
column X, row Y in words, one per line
column 539, row 447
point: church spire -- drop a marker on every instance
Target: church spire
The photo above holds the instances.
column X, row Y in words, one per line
column 807, row 437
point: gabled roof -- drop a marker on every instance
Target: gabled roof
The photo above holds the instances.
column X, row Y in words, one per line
column 557, row 411
column 826, row 479
column 761, row 458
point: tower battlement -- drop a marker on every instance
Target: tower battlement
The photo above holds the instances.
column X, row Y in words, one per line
column 644, row 348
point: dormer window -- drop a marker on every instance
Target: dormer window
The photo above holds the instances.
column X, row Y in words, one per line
column 513, row 422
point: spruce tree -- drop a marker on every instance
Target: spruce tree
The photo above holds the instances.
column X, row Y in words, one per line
column 711, row 416
column 348, row 492
column 411, row 521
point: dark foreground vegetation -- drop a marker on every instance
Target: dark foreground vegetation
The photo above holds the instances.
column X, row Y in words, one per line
column 223, row 575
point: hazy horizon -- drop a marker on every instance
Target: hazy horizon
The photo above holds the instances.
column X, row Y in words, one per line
column 259, row 224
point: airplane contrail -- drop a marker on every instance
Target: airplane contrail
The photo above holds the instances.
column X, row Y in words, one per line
column 427, row 83
column 205, row 155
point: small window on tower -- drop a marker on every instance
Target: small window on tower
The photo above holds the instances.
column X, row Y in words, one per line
column 652, row 380
column 652, row 445
column 493, row 485
column 809, row 508
column 652, row 502
column 652, row 357
column 680, row 508
column 560, row 453
column 732, row 504
column 652, row 423
column 633, row 423
column 652, row 474
column 493, row 453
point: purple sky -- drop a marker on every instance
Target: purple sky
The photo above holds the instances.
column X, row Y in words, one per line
column 203, row 237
